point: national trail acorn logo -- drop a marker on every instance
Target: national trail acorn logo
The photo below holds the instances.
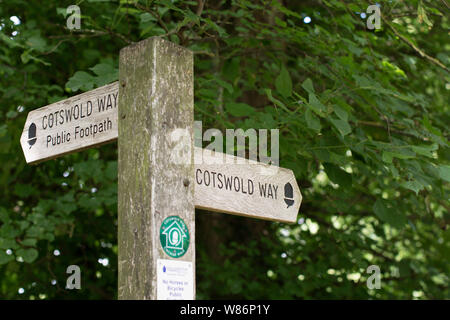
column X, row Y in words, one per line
column 32, row 134
column 288, row 194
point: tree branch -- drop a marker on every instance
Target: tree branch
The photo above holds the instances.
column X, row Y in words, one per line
column 380, row 125
column 417, row 49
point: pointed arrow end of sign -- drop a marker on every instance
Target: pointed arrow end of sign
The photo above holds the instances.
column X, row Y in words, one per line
column 297, row 195
column 28, row 138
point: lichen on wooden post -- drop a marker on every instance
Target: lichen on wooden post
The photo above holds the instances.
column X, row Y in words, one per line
column 156, row 107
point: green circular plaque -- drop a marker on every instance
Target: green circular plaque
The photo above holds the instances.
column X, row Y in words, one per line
column 174, row 236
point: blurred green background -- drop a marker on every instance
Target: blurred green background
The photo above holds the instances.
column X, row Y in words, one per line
column 364, row 124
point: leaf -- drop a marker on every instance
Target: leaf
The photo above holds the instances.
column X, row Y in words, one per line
column 444, row 172
column 102, row 68
column 146, row 17
column 11, row 114
column 312, row 121
column 5, row 258
column 189, row 16
column 266, row 120
column 308, row 85
column 49, row 236
column 81, row 80
column 283, row 83
column 422, row 15
column 8, row 244
column 3, row 129
column 89, row 169
column 413, row 185
column 280, row 22
column 389, row 155
column 337, row 175
column 62, row 11
column 35, row 232
column 276, row 101
column 363, row 81
column 352, row 47
column 425, row 150
column 111, row 170
column 231, row 69
column 11, row 43
column 23, row 224
column 239, row 109
column 388, row 214
column 88, row 202
column 341, row 113
column 28, row 255
column 225, row 85
column 106, row 73
column 4, row 216
column 26, row 56
column 342, row 126
column 8, row 231
column 23, row 190
column 316, row 105
column 36, row 42
column 29, row 242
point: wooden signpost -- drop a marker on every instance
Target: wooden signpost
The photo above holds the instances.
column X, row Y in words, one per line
column 157, row 198
column 225, row 183
column 83, row 121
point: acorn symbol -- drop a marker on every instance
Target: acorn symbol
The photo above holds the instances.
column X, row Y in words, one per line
column 288, row 195
column 32, row 134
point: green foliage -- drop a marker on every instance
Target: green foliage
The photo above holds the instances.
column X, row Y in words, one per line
column 283, row 83
column 387, row 212
column 363, row 118
column 104, row 73
column 239, row 109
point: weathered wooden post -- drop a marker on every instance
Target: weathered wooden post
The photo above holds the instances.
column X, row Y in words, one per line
column 155, row 193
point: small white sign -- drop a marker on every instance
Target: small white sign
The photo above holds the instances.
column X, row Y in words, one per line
column 175, row 280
